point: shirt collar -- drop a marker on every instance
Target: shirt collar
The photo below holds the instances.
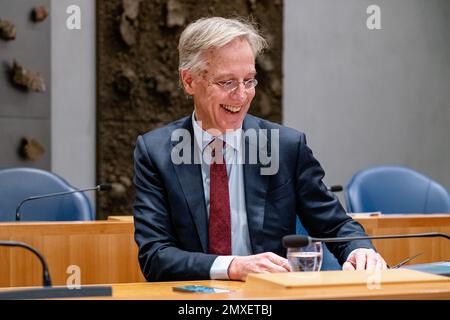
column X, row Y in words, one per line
column 203, row 138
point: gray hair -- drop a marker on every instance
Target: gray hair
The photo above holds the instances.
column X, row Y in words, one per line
column 215, row 32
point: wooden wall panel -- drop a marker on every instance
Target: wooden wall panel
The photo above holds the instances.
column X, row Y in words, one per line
column 104, row 251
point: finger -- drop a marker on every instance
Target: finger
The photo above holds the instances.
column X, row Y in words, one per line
column 268, row 268
column 372, row 261
column 285, row 264
column 360, row 257
column 262, row 263
column 290, row 268
column 379, row 265
column 348, row 266
column 383, row 262
column 273, row 267
column 280, row 261
column 277, row 268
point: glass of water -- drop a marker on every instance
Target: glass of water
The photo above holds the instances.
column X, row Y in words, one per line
column 308, row 258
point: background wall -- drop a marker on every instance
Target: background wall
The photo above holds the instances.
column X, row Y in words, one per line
column 25, row 113
column 367, row 97
column 73, row 94
column 363, row 97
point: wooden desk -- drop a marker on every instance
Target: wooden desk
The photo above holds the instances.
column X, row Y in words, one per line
column 429, row 287
column 394, row 284
column 104, row 251
column 121, row 218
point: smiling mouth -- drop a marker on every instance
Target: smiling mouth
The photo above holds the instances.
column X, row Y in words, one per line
column 231, row 109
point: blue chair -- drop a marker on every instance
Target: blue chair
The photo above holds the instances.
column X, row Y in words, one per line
column 329, row 262
column 395, row 189
column 16, row 184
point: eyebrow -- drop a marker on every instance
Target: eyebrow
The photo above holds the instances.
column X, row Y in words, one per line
column 230, row 75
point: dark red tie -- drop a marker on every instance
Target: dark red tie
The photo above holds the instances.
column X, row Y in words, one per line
column 219, row 204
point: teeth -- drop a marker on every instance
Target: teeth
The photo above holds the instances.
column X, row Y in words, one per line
column 231, row 108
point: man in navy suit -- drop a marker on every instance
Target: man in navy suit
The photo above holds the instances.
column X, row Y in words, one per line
column 216, row 191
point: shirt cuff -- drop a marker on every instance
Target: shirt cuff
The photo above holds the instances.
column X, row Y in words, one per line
column 219, row 269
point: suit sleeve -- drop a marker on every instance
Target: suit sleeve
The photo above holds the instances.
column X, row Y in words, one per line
column 319, row 210
column 160, row 257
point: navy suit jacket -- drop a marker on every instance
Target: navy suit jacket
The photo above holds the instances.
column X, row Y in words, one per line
column 170, row 217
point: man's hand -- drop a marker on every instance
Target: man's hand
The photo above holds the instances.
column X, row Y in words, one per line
column 266, row 262
column 362, row 259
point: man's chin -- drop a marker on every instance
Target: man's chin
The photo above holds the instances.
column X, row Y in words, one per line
column 232, row 126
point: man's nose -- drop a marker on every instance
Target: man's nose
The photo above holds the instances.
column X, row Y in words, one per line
column 240, row 93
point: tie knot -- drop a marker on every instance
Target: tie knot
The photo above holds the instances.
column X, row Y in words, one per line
column 217, row 147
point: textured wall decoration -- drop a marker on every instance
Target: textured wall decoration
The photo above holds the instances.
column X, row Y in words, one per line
column 7, row 30
column 129, row 22
column 27, row 79
column 31, row 149
column 25, row 84
column 138, row 77
column 39, row 13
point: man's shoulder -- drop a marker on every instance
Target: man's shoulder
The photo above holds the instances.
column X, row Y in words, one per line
column 253, row 122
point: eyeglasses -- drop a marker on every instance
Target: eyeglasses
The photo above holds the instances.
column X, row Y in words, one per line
column 231, row 85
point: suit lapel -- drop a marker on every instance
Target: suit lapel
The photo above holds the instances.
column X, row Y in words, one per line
column 255, row 185
column 190, row 178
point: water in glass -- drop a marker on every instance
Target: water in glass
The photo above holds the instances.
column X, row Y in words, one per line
column 308, row 258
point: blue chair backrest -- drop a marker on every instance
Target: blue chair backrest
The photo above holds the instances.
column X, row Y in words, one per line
column 329, row 261
column 16, row 184
column 395, row 189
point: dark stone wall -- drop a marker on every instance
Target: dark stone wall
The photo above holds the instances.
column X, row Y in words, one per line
column 138, row 77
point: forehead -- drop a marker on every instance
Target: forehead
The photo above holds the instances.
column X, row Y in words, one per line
column 235, row 58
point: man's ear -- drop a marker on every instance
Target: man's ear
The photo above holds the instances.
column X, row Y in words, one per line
column 186, row 80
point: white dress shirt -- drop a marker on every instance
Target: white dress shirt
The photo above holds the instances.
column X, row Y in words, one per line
column 240, row 237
